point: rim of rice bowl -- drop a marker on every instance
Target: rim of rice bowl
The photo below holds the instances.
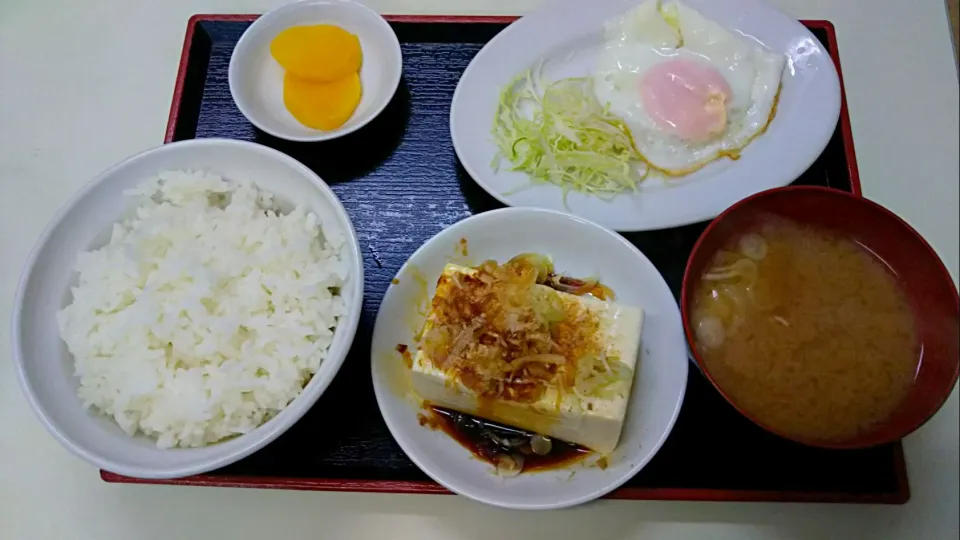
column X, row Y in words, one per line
column 48, row 381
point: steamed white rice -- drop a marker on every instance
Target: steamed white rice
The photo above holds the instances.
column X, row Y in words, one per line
column 207, row 312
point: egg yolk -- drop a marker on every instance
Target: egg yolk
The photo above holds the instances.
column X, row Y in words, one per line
column 321, row 52
column 686, row 98
column 321, row 105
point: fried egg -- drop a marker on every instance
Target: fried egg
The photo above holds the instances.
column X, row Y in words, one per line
column 689, row 90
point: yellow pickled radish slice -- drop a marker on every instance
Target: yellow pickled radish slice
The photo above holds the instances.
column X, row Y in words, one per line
column 321, row 105
column 321, row 52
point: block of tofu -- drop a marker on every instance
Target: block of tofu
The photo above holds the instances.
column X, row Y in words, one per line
column 592, row 421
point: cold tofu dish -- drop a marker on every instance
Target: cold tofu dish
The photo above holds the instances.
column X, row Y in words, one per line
column 527, row 368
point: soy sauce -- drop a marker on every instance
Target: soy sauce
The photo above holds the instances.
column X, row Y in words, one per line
column 508, row 448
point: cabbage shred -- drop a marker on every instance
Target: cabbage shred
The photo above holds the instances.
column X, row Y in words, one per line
column 565, row 137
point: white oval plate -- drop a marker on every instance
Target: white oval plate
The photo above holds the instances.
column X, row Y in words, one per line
column 570, row 34
column 578, row 247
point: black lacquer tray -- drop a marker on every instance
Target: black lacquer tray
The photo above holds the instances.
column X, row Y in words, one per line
column 401, row 185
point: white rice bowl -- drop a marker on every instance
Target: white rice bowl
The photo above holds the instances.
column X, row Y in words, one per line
column 91, row 405
column 206, row 313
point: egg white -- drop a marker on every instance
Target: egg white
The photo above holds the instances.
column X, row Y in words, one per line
column 650, row 34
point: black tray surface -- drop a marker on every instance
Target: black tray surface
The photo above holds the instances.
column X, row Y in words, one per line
column 401, row 183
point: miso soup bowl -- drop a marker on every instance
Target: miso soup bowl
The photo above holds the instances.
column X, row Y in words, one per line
column 920, row 272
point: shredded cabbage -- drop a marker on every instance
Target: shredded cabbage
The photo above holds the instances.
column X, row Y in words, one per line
column 564, row 136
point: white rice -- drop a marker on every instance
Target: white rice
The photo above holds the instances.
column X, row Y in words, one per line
column 207, row 312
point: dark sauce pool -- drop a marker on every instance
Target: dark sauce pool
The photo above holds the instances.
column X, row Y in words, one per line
column 509, row 449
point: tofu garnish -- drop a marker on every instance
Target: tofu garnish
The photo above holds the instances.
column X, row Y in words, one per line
column 501, row 344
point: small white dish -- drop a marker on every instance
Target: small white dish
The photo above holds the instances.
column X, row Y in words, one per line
column 579, row 248
column 256, row 79
column 568, row 34
column 45, row 369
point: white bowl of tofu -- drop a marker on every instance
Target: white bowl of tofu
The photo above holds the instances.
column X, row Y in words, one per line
column 529, row 359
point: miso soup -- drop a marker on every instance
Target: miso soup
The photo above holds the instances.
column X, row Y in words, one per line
column 806, row 331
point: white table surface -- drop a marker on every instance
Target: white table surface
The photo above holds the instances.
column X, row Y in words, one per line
column 84, row 84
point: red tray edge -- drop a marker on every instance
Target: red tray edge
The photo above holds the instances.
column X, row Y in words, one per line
column 901, row 496
column 430, row 488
